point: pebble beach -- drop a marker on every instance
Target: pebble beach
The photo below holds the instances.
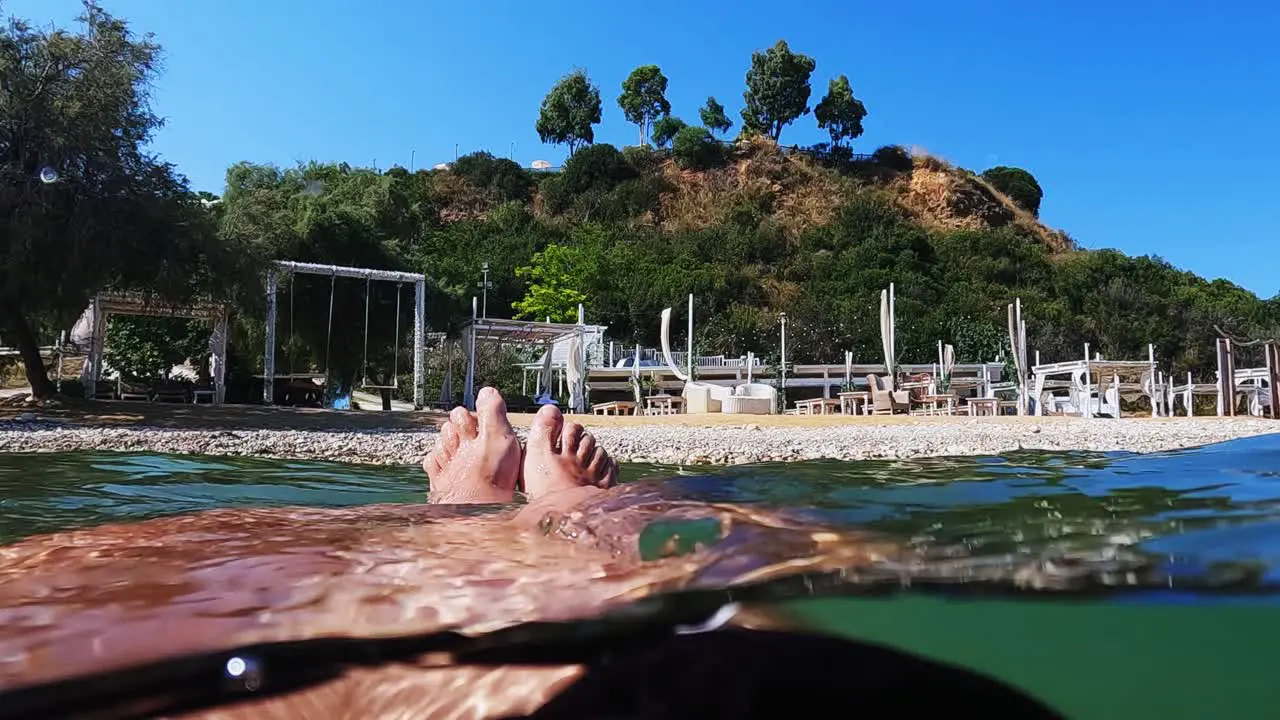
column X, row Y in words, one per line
column 664, row 444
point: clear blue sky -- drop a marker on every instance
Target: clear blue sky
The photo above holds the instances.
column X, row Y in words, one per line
column 1153, row 126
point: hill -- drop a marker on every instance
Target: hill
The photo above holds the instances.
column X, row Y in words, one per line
column 753, row 231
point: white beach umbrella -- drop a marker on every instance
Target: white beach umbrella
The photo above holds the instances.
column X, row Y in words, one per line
column 576, row 369
column 886, row 331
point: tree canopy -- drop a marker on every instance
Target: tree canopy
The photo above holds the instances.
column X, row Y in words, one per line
column 713, row 116
column 777, row 89
column 570, row 112
column 644, row 98
column 839, row 112
column 86, row 206
column 666, row 129
column 1018, row 184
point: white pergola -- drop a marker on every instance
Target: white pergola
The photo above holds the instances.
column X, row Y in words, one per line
column 105, row 305
column 289, row 268
column 493, row 330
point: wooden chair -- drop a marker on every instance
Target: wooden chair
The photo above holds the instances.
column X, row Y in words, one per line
column 885, row 401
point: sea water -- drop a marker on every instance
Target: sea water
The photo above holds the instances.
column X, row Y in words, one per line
column 1197, row 633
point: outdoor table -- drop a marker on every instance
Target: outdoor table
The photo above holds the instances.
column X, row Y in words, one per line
column 851, row 401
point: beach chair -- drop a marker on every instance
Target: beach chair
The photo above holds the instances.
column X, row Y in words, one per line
column 885, row 401
column 751, row 399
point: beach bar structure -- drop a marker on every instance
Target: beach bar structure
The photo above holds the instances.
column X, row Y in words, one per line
column 284, row 267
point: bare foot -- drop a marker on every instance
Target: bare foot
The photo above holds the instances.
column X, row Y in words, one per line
column 562, row 464
column 477, row 458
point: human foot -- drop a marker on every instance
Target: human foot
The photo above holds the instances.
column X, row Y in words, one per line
column 477, row 458
column 563, row 465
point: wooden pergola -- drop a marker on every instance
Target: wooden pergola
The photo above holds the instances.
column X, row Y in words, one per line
column 104, row 305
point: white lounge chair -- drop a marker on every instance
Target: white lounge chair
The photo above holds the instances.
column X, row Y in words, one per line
column 751, row 399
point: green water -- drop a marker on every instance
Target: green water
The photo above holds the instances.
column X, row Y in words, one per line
column 1193, row 634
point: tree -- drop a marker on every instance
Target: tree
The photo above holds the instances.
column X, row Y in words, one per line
column 839, row 112
column 713, row 116
column 666, row 129
column 777, row 89
column 569, row 111
column 554, row 277
column 85, row 205
column 695, row 149
column 1018, row 184
column 644, row 98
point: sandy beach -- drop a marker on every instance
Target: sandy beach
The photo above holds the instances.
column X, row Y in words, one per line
column 403, row 438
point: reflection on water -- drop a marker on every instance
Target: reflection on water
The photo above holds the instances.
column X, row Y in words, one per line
column 1197, row 511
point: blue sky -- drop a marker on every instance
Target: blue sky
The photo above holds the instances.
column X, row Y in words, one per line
column 1152, row 126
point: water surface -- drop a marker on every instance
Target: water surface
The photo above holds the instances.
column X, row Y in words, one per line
column 1189, row 541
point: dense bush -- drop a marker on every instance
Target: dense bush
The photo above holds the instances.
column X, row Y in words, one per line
column 695, row 149
column 500, row 175
column 598, row 167
column 1018, row 184
column 892, row 157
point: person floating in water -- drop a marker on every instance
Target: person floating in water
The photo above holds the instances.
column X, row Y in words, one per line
column 479, row 459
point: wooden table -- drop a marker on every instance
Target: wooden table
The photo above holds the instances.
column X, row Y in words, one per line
column 619, row 407
column 930, row 404
column 663, row 405
column 983, row 406
column 822, row 405
column 850, row 402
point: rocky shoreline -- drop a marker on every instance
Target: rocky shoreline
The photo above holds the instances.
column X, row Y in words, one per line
column 660, row 444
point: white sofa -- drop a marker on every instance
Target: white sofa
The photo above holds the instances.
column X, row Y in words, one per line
column 751, row 399
column 705, row 397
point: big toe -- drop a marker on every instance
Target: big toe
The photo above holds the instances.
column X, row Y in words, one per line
column 491, row 410
column 546, row 428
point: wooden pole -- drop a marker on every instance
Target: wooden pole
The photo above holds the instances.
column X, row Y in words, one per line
column 1226, row 379
column 1273, row 378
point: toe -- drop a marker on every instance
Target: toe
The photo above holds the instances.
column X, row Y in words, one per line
column 586, row 447
column 464, row 421
column 544, row 431
column 602, row 470
column 571, row 438
column 491, row 410
column 449, row 441
column 432, row 465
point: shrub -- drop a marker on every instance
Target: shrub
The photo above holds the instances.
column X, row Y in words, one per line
column 892, row 157
column 642, row 159
column 1018, row 184
column 695, row 149
column 555, row 194
column 599, row 167
column 503, row 176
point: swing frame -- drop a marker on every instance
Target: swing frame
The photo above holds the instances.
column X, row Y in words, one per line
column 395, row 353
column 284, row 268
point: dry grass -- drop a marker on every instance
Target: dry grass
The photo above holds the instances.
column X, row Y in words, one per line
column 944, row 197
column 792, row 190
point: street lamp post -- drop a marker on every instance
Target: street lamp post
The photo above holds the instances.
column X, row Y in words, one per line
column 782, row 317
column 484, row 288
